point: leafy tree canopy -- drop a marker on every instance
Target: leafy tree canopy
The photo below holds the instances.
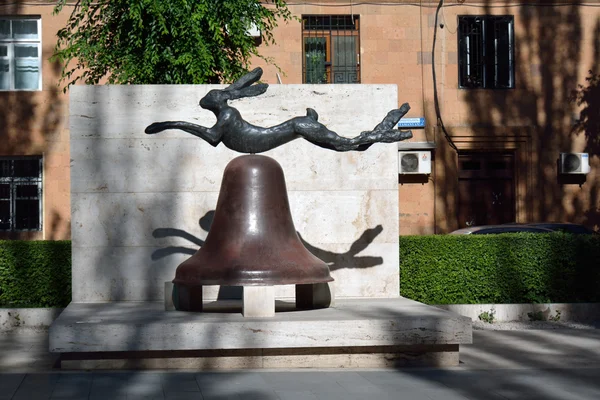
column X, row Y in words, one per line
column 588, row 98
column 163, row 41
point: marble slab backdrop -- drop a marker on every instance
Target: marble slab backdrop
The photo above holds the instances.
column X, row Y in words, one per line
column 141, row 204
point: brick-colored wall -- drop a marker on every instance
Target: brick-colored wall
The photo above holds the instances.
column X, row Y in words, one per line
column 555, row 46
column 36, row 123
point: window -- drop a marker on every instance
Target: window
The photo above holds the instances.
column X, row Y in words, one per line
column 331, row 49
column 486, row 52
column 20, row 194
column 20, row 58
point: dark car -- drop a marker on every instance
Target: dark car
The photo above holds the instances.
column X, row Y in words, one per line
column 508, row 228
column 564, row 227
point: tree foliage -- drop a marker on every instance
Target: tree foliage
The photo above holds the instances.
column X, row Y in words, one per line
column 588, row 98
column 163, row 41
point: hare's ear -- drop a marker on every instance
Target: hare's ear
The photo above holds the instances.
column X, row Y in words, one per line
column 246, row 80
column 251, row 91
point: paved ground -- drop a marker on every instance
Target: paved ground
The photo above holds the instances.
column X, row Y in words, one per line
column 533, row 364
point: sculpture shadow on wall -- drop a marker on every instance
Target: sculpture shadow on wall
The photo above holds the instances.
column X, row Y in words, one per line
column 159, row 233
column 349, row 259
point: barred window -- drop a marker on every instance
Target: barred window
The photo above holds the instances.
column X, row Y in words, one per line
column 20, row 194
column 486, row 52
column 331, row 49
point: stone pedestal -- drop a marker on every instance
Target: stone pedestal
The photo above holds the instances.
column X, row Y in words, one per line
column 362, row 333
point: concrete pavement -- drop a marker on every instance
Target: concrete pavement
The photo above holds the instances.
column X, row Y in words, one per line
column 532, row 364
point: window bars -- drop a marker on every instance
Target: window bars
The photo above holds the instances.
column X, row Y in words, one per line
column 486, row 52
column 331, row 47
column 20, row 194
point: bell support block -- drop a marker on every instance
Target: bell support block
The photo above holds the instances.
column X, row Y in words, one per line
column 256, row 301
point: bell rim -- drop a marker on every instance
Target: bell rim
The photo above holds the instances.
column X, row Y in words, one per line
column 257, row 282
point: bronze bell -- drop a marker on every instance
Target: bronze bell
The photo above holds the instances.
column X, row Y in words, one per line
column 252, row 240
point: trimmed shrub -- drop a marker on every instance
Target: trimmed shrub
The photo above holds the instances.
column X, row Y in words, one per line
column 35, row 273
column 505, row 268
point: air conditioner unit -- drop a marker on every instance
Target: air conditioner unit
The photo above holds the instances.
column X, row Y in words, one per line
column 414, row 162
column 253, row 31
column 574, row 163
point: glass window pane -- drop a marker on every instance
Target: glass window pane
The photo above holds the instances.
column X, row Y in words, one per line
column 315, row 50
column 4, row 215
column 5, row 192
column 27, row 214
column 25, row 51
column 3, row 51
column 27, row 168
column 4, row 28
column 4, row 75
column 5, row 169
column 27, row 73
column 24, row 191
column 503, row 66
column 24, row 29
column 344, row 59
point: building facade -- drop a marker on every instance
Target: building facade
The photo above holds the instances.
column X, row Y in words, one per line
column 498, row 83
column 34, row 146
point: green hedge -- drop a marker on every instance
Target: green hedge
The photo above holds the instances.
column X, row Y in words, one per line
column 35, row 273
column 505, row 268
column 438, row 269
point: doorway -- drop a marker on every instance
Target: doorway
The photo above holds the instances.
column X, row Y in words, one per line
column 486, row 186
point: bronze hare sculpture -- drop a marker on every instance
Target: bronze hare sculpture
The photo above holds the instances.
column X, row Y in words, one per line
column 241, row 136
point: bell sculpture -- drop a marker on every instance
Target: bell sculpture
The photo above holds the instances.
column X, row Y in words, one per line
column 252, row 241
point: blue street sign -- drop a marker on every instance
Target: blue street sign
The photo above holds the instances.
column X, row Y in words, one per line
column 412, row 123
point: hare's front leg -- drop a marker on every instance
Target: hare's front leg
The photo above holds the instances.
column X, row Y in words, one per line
column 213, row 137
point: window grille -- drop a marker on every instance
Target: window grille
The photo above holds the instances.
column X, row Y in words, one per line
column 20, row 194
column 20, row 53
column 486, row 52
column 331, row 48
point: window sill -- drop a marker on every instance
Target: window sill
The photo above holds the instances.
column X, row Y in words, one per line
column 20, row 90
column 481, row 88
column 21, row 235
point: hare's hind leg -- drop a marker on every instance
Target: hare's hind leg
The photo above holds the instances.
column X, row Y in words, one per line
column 310, row 129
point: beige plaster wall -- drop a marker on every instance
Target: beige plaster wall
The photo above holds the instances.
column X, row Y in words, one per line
column 137, row 199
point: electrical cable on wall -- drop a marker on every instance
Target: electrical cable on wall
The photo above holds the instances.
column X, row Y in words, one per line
column 361, row 3
column 446, row 23
column 473, row 4
column 436, row 102
column 422, row 63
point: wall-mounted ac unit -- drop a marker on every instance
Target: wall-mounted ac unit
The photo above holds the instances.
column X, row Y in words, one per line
column 253, row 31
column 574, row 163
column 414, row 162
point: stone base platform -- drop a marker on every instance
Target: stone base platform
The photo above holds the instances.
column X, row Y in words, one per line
column 358, row 333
